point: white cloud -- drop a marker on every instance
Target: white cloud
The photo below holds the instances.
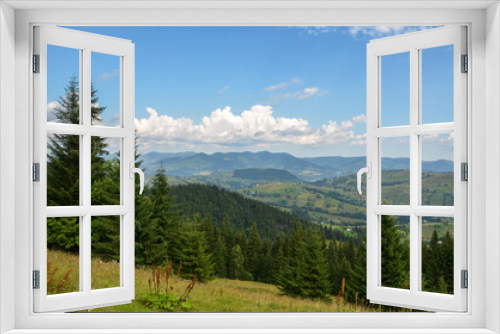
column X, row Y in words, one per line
column 316, row 30
column 303, row 94
column 283, row 85
column 220, row 91
column 107, row 75
column 382, row 31
column 447, row 140
column 51, row 111
column 361, row 118
column 359, row 140
column 256, row 126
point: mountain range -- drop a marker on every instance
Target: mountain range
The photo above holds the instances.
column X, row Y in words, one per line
column 188, row 164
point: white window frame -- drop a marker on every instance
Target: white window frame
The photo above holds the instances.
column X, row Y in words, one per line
column 86, row 44
column 483, row 101
column 414, row 43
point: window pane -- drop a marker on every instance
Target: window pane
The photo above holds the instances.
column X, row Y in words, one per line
column 437, row 169
column 395, row 89
column 63, row 255
column 437, row 254
column 437, row 84
column 395, row 169
column 105, row 171
column 395, row 232
column 63, row 94
column 105, row 252
column 106, row 89
column 63, row 170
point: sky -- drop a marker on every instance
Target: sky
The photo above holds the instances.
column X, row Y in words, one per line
column 300, row 90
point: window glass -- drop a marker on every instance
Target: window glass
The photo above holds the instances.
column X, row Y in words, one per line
column 105, row 248
column 395, row 89
column 395, row 152
column 437, row 84
column 63, row 85
column 106, row 96
column 63, row 255
column 63, row 170
column 437, row 254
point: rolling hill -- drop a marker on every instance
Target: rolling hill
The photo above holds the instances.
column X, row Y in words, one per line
column 192, row 164
column 268, row 174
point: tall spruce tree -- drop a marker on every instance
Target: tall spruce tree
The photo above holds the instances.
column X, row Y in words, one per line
column 194, row 253
column 294, row 273
column 253, row 254
column 357, row 282
column 63, row 168
column 315, row 283
column 220, row 257
column 394, row 261
column 165, row 211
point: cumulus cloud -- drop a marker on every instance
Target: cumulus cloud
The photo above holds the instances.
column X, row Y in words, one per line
column 361, row 118
column 382, row 31
column 51, row 111
column 359, row 140
column 256, row 126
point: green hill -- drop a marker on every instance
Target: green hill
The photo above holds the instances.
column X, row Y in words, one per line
column 241, row 211
column 267, row 174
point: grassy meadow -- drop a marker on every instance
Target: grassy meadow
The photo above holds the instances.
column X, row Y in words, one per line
column 219, row 295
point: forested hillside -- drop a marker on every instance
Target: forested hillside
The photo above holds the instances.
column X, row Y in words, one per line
column 240, row 212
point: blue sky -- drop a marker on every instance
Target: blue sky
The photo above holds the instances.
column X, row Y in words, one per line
column 300, row 90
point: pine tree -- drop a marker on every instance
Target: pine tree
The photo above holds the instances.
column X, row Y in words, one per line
column 294, row 272
column 229, row 241
column 165, row 211
column 393, row 255
column 431, row 262
column 220, row 257
column 315, row 283
column 194, row 253
column 254, row 249
column 63, row 167
column 240, row 272
column 335, row 277
column 357, row 281
column 266, row 263
column 447, row 264
column 278, row 255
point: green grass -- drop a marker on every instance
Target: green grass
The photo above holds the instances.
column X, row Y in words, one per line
column 219, row 295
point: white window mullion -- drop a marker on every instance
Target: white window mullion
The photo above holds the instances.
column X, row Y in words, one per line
column 86, row 168
column 414, row 168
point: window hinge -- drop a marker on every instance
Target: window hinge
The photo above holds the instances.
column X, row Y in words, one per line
column 465, row 64
column 36, row 279
column 465, row 279
column 36, row 63
column 36, row 172
column 464, row 170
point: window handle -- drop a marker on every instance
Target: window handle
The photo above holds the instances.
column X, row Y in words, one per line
column 141, row 175
column 368, row 171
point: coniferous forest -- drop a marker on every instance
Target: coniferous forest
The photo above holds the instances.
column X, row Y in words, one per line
column 216, row 233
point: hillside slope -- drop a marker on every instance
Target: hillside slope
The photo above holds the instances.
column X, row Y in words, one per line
column 242, row 212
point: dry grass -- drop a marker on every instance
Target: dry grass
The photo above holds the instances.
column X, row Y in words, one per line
column 220, row 295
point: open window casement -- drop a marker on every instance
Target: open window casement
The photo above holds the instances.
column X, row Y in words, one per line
column 413, row 213
column 75, row 211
